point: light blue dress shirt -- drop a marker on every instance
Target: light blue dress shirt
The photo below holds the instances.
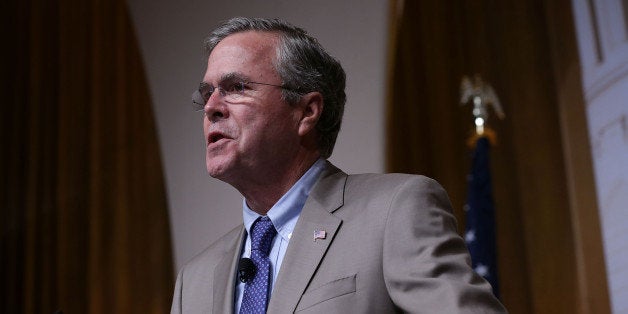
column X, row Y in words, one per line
column 284, row 215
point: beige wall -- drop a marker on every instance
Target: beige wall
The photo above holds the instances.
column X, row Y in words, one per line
column 602, row 30
column 171, row 34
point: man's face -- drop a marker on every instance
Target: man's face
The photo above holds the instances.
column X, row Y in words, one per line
column 251, row 136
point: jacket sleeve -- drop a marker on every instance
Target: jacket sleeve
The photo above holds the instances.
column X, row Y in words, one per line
column 426, row 263
column 176, row 298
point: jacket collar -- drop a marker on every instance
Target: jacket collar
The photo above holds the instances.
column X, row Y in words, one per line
column 306, row 250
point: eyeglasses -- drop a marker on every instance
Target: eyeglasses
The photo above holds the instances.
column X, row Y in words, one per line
column 231, row 93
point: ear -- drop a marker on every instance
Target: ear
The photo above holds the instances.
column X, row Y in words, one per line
column 312, row 108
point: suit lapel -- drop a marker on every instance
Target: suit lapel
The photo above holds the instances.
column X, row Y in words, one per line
column 224, row 278
column 304, row 254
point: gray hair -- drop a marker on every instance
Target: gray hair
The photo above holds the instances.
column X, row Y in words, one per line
column 303, row 65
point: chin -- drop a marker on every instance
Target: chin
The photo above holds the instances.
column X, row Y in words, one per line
column 214, row 171
column 218, row 167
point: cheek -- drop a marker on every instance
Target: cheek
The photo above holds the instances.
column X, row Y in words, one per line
column 205, row 127
column 261, row 127
column 281, row 130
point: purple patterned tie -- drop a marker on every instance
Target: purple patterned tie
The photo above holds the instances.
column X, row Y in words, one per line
column 256, row 292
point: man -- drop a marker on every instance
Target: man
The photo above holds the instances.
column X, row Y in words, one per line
column 314, row 239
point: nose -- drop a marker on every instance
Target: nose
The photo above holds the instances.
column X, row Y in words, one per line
column 215, row 109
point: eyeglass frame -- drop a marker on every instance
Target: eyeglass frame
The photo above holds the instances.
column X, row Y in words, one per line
column 239, row 86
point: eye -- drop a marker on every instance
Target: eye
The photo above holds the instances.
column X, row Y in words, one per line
column 238, row 87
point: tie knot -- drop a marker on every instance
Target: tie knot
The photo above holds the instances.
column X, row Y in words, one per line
column 262, row 234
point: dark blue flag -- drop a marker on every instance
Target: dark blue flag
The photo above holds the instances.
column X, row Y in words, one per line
column 480, row 213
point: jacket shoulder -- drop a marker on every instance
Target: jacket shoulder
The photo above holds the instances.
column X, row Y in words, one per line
column 392, row 181
column 216, row 250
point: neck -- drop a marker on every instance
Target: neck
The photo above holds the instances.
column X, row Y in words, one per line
column 262, row 194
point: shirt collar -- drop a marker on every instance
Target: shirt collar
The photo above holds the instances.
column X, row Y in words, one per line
column 285, row 213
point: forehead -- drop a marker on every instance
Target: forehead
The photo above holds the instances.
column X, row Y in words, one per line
column 251, row 54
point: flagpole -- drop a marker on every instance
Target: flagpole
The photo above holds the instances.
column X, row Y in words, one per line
column 481, row 95
column 480, row 230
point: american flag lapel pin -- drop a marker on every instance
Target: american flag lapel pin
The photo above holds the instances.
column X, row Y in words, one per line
column 320, row 234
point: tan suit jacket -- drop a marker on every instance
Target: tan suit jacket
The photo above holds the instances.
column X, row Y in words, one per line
column 391, row 246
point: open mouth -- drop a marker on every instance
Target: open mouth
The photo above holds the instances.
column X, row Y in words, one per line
column 215, row 138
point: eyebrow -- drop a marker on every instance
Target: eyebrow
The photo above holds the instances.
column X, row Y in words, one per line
column 228, row 78
column 233, row 77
